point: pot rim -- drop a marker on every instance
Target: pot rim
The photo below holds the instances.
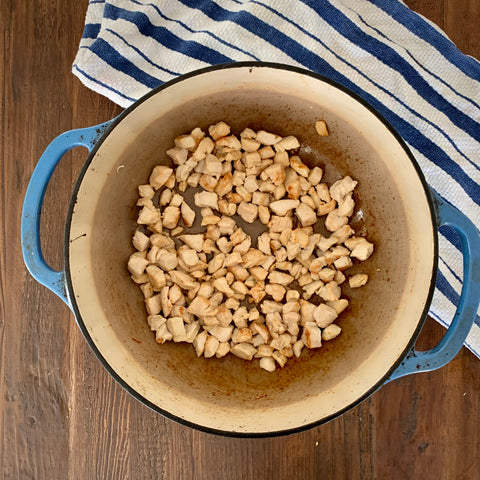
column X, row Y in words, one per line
column 73, row 199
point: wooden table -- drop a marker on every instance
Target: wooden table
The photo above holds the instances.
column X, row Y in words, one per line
column 63, row 416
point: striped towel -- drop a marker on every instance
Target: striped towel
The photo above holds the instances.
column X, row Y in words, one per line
column 392, row 57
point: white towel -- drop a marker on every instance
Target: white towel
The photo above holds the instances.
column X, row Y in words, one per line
column 395, row 59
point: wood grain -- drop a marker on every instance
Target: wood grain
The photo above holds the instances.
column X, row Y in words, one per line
column 62, row 415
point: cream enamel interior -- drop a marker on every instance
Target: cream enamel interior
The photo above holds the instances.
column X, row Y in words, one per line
column 230, row 394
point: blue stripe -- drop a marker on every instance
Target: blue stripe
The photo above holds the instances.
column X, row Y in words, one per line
column 91, row 30
column 451, row 271
column 419, row 65
column 422, row 29
column 390, row 57
column 165, row 37
column 315, row 63
column 171, row 72
column 231, row 45
column 109, row 55
column 451, row 235
column 104, row 85
column 450, row 293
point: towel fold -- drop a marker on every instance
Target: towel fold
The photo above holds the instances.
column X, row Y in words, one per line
column 395, row 59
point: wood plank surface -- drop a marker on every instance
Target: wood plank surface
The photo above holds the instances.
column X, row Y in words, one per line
column 62, row 415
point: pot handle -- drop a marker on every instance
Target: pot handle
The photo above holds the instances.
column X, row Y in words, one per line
column 32, row 205
column 466, row 313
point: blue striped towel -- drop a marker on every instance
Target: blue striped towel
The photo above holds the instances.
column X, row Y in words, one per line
column 395, row 59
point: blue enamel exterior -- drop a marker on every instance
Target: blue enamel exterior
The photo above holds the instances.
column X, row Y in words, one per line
column 32, row 205
column 467, row 308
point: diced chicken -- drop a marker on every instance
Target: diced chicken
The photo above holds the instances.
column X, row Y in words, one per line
column 171, row 215
column 249, row 144
column 253, row 257
column 178, row 155
column 326, row 275
column 282, row 207
column 156, row 276
column 206, row 199
column 201, row 282
column 188, row 214
column 166, row 260
column 251, row 184
column 338, row 305
column 201, row 307
column 220, row 129
column 205, row 146
column 163, row 335
column 279, row 358
column 182, row 279
column 277, row 292
column 330, row 292
column 297, row 348
column 222, row 286
column 327, row 207
column 317, row 264
column 287, row 143
column 343, row 233
column 140, row 241
column 159, row 176
column 280, row 278
column 222, row 349
column 248, row 211
column 146, row 191
column 185, row 142
column 313, row 287
column 279, row 224
column 264, row 214
column 306, row 215
column 321, row 128
column 176, row 327
column 153, row 305
column 346, row 206
column 275, row 173
column 147, row 289
column 148, row 216
column 312, row 335
column 189, row 257
column 362, row 250
column 193, row 241
column 299, row 167
column 222, row 334
column 232, row 260
column 241, row 335
column 244, row 350
column 324, row 315
column 266, row 138
column 224, row 185
column 199, row 343
column 358, row 280
column 211, row 346
column 137, row 263
column 343, row 263
column 342, row 187
column 331, row 332
column 315, row 176
column 231, row 142
column 333, row 222
column 267, row 363
column 191, row 331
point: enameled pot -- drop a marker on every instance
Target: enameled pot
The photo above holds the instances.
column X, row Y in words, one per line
column 231, row 396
